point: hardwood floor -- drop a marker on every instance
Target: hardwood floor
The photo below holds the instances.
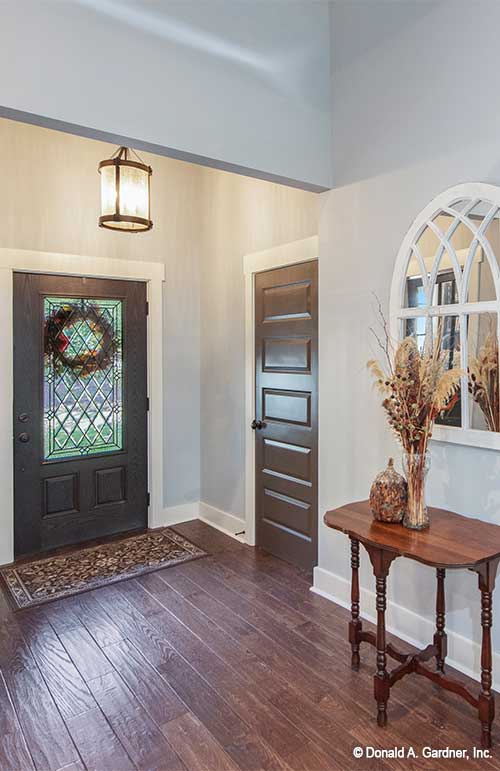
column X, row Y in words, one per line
column 228, row 662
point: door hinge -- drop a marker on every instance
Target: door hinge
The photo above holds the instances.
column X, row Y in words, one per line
column 147, row 403
column 148, row 499
column 147, row 309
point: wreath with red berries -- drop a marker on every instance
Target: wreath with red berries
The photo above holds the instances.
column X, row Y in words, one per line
column 56, row 342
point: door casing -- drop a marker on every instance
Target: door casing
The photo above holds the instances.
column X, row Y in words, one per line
column 279, row 257
column 20, row 260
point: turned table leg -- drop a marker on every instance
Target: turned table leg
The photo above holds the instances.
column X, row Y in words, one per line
column 486, row 709
column 486, row 698
column 355, row 623
column 381, row 681
column 381, row 562
column 440, row 635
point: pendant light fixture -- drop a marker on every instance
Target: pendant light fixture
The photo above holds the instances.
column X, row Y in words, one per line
column 125, row 192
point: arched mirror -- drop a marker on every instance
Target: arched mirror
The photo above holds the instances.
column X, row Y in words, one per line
column 448, row 268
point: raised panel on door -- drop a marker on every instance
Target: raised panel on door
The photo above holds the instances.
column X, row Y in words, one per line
column 286, row 406
column 286, row 397
column 287, row 301
column 291, row 460
column 286, row 354
column 80, row 410
column 286, row 511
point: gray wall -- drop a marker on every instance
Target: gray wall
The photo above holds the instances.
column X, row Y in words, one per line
column 414, row 112
column 242, row 83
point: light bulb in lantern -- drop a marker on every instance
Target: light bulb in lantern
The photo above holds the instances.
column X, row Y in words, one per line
column 125, row 193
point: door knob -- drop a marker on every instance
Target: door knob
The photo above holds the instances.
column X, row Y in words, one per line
column 257, row 424
column 24, row 437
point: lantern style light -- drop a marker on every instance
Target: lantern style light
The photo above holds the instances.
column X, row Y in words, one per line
column 125, row 192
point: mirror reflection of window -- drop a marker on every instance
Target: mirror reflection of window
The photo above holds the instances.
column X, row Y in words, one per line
column 415, row 293
column 457, row 248
column 445, row 290
column 450, row 348
column 417, row 328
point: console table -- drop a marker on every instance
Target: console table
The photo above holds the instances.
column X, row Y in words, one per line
column 451, row 542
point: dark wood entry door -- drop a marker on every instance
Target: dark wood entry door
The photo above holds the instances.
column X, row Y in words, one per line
column 80, row 409
column 286, row 420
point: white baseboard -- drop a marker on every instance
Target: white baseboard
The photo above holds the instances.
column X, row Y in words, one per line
column 222, row 520
column 463, row 654
column 173, row 515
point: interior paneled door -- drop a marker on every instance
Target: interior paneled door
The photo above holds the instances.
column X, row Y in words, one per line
column 80, row 409
column 286, row 420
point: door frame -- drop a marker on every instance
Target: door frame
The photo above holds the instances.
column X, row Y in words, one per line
column 28, row 261
column 304, row 250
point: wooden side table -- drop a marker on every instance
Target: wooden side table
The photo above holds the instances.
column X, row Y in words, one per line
column 451, row 542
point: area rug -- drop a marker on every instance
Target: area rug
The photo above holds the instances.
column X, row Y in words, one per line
column 43, row 580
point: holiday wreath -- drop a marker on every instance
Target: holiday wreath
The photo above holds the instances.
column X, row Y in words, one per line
column 58, row 345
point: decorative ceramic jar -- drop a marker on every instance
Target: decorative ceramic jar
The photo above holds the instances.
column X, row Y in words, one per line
column 415, row 467
column 388, row 495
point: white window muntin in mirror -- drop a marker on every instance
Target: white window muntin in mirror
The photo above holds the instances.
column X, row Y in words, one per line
column 466, row 198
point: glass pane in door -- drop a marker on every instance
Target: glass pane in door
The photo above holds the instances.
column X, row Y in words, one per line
column 82, row 377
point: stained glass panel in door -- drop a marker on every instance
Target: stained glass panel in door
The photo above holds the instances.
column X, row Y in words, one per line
column 83, row 377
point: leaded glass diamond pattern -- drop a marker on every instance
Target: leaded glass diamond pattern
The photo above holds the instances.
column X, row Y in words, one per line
column 83, row 377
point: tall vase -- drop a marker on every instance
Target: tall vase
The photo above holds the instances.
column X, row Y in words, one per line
column 415, row 467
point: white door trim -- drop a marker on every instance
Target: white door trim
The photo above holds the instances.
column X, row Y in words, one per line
column 28, row 261
column 278, row 257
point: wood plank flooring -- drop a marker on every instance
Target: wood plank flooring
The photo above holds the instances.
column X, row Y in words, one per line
column 220, row 664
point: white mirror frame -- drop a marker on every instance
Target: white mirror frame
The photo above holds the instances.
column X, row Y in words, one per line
column 474, row 193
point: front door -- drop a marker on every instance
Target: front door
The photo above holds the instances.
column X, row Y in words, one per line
column 80, row 409
column 286, row 420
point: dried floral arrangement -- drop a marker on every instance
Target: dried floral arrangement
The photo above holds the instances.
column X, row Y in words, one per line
column 417, row 387
column 484, row 381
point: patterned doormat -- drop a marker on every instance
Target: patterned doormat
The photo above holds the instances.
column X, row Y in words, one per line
column 43, row 580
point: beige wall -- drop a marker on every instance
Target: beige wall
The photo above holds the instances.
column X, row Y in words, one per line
column 204, row 222
column 239, row 216
column 49, row 201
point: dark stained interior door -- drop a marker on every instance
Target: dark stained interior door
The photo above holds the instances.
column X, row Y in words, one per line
column 80, row 410
column 286, row 420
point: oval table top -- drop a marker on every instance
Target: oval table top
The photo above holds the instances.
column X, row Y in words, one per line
column 451, row 541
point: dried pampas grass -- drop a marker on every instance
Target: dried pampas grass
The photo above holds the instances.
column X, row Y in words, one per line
column 483, row 381
column 417, row 388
